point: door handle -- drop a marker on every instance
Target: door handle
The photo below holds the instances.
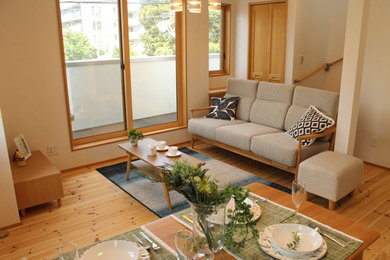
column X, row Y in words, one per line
column 274, row 77
column 258, row 75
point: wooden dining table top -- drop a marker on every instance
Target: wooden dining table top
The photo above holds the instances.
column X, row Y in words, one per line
column 165, row 228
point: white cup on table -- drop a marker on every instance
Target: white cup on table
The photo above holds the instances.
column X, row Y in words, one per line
column 152, row 149
column 161, row 145
column 173, row 150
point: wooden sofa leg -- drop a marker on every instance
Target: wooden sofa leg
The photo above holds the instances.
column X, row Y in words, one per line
column 192, row 142
column 332, row 205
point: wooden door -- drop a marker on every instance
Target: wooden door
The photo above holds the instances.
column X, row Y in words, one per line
column 259, row 42
column 278, row 13
column 267, row 41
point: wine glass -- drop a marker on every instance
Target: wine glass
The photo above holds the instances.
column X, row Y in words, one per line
column 297, row 195
column 184, row 244
column 70, row 248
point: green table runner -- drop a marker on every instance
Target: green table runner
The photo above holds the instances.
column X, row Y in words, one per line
column 273, row 213
column 164, row 253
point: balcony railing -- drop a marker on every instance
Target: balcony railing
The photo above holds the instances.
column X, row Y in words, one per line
column 95, row 92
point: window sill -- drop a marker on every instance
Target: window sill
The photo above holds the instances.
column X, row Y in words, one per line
column 218, row 74
column 122, row 138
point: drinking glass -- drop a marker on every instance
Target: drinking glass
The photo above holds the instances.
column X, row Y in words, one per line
column 184, row 244
column 297, row 195
column 70, row 249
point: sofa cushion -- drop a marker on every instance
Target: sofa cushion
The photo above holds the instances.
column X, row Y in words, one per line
column 281, row 148
column 206, row 126
column 246, row 90
column 304, row 97
column 223, row 108
column 313, row 121
column 271, row 105
column 240, row 135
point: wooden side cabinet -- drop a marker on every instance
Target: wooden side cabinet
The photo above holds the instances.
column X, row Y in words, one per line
column 36, row 183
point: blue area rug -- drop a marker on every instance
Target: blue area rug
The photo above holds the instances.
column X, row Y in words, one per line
column 151, row 194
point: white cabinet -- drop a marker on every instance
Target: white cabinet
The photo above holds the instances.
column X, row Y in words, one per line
column 8, row 207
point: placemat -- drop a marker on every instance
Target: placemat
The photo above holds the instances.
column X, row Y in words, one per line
column 165, row 252
column 273, row 213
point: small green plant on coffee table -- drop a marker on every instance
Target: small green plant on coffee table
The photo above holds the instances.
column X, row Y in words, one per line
column 134, row 136
column 198, row 188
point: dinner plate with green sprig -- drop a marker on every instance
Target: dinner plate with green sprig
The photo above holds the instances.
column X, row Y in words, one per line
column 269, row 247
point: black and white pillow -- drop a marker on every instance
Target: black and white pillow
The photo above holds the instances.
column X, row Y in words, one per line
column 223, row 108
column 312, row 121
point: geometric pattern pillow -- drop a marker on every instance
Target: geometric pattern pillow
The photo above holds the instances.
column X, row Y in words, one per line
column 223, row 108
column 312, row 121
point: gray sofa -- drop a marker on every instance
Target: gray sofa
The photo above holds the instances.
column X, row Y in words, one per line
column 265, row 112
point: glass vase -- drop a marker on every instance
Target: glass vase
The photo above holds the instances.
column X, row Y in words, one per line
column 208, row 228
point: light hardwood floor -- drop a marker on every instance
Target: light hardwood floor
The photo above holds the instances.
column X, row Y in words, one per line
column 94, row 209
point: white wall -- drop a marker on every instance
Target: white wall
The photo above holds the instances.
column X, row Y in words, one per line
column 373, row 134
column 8, row 206
column 319, row 38
column 31, row 86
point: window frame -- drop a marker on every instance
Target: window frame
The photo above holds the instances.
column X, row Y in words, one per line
column 181, row 91
column 225, row 42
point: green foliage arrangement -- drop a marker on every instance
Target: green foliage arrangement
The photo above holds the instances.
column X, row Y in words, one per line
column 77, row 47
column 200, row 189
column 135, row 135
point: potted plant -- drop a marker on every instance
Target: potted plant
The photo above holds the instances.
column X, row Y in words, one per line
column 213, row 227
column 134, row 136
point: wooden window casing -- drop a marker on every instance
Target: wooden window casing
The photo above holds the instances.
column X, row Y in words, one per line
column 225, row 42
column 181, row 79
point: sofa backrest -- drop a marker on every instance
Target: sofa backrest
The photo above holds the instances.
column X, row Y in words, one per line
column 304, row 97
column 246, row 90
column 272, row 103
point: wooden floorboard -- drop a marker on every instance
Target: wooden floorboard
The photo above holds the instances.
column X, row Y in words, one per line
column 94, row 209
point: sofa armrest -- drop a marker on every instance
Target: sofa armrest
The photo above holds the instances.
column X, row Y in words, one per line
column 327, row 131
column 193, row 110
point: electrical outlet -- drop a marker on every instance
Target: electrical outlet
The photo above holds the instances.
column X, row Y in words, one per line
column 51, row 150
column 301, row 59
column 373, row 141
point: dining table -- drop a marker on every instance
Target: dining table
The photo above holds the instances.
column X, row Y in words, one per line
column 277, row 207
column 165, row 228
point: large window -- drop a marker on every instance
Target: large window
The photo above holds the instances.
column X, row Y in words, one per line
column 219, row 40
column 122, row 67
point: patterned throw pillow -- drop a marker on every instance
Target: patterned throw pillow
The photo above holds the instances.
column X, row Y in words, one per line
column 223, row 108
column 312, row 121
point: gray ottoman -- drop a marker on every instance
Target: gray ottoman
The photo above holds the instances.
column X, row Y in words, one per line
column 331, row 175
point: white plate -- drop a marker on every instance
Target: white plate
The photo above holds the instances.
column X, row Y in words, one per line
column 255, row 210
column 265, row 241
column 176, row 155
column 162, row 150
column 112, row 249
column 309, row 239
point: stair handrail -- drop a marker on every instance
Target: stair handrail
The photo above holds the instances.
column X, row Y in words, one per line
column 325, row 66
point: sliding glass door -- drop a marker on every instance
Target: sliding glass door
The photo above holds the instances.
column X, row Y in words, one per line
column 123, row 67
column 92, row 48
column 152, row 37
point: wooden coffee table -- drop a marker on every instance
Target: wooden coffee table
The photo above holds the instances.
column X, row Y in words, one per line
column 150, row 165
